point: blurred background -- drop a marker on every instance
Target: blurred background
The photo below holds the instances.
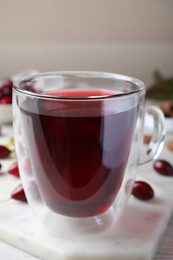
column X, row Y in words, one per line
column 133, row 37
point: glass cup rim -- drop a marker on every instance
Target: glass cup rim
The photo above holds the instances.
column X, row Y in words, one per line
column 138, row 84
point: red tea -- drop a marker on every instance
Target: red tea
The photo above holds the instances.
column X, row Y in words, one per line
column 79, row 150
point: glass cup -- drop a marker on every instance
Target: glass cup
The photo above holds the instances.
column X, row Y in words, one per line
column 79, row 142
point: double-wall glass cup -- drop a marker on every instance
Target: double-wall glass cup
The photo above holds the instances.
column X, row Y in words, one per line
column 79, row 143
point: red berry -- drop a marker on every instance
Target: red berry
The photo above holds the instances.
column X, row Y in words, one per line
column 4, row 152
column 1, row 94
column 6, row 87
column 163, row 167
column 142, row 190
column 6, row 100
column 6, row 82
column 14, row 169
column 18, row 193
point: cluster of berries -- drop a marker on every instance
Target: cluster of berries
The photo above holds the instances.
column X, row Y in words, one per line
column 6, row 87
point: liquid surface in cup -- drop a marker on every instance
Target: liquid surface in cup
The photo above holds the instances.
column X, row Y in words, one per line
column 78, row 150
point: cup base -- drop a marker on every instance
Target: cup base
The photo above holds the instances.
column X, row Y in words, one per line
column 69, row 227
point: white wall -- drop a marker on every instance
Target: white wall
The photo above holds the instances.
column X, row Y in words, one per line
column 133, row 37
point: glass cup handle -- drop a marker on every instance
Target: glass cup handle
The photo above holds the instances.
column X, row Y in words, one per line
column 156, row 143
